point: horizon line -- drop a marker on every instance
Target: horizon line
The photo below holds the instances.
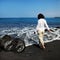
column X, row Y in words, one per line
column 27, row 17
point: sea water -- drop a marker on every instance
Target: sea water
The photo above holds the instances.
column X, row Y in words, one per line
column 16, row 27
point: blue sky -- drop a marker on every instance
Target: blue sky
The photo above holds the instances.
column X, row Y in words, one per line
column 29, row 8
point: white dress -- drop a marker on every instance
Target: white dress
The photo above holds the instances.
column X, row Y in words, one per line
column 42, row 25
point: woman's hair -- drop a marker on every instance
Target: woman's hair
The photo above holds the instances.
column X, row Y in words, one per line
column 41, row 16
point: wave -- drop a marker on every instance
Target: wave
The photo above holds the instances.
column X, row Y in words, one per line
column 27, row 34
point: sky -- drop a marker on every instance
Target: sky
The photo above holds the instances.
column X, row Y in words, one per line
column 29, row 8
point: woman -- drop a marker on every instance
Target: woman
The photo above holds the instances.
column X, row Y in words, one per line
column 41, row 26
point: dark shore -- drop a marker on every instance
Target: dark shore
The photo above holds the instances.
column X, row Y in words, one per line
column 52, row 52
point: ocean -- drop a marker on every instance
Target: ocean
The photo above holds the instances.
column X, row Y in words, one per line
column 19, row 26
column 24, row 22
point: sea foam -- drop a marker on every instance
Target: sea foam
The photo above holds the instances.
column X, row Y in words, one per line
column 28, row 33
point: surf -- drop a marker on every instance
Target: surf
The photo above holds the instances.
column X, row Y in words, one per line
column 28, row 33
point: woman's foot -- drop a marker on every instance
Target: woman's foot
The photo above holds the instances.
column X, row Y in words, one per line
column 42, row 46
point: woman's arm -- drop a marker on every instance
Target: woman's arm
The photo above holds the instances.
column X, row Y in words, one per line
column 46, row 25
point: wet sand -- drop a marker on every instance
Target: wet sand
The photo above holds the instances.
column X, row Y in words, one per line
column 34, row 52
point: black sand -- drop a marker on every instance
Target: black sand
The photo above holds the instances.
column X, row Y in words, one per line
column 52, row 52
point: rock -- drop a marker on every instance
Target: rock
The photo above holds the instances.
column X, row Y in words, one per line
column 18, row 45
column 0, row 43
column 9, row 43
column 46, row 30
column 6, row 41
column 6, row 37
column 58, row 27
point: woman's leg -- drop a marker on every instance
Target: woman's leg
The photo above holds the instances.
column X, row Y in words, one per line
column 41, row 34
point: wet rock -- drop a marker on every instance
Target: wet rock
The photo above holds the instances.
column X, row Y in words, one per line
column 0, row 43
column 46, row 30
column 6, row 41
column 58, row 27
column 6, row 38
column 18, row 45
column 9, row 43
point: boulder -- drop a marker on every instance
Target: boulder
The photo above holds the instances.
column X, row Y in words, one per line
column 9, row 43
column 18, row 45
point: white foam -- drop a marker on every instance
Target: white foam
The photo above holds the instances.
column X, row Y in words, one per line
column 30, row 37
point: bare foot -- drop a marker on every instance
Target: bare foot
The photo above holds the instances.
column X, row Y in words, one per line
column 43, row 47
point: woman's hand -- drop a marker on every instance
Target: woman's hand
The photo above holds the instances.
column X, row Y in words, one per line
column 49, row 30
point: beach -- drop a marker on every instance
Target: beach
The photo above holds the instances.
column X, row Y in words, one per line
column 24, row 27
column 19, row 38
column 34, row 52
